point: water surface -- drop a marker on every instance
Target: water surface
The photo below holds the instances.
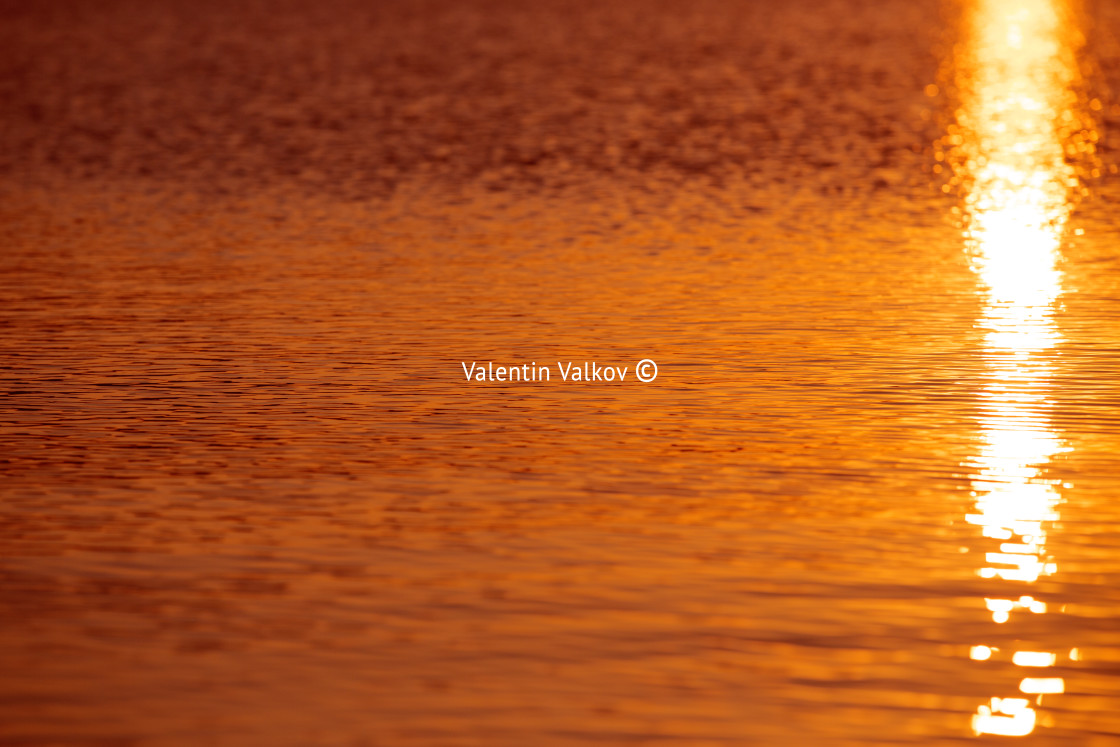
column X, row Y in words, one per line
column 250, row 498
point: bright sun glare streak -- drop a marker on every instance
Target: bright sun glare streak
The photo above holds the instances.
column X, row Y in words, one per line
column 1010, row 157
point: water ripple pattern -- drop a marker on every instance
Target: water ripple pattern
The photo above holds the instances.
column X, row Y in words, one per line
column 248, row 497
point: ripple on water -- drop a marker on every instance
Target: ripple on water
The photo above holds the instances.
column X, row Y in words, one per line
column 247, row 492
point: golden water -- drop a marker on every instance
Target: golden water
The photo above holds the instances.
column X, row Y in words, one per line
column 248, row 496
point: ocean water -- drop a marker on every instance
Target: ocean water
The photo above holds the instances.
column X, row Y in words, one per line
column 249, row 496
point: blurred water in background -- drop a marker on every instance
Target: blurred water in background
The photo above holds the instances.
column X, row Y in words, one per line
column 249, row 498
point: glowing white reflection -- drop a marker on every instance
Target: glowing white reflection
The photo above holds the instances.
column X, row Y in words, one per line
column 1043, row 685
column 980, row 653
column 1034, row 659
column 1008, row 717
column 1009, row 151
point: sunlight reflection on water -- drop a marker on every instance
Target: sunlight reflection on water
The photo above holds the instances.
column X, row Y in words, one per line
column 1014, row 133
column 249, row 498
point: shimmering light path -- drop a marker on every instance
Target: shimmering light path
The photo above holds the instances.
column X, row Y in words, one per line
column 1014, row 131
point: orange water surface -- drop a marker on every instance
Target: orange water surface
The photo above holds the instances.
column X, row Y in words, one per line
column 249, row 497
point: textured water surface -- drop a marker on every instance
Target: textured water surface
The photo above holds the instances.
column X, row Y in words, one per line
column 249, row 497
